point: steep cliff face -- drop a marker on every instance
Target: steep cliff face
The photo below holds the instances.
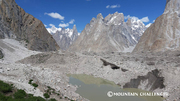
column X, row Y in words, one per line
column 16, row 23
column 108, row 34
column 164, row 34
column 65, row 37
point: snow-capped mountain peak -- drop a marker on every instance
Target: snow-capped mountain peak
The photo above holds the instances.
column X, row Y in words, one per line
column 109, row 34
column 64, row 36
column 53, row 29
column 137, row 27
column 115, row 19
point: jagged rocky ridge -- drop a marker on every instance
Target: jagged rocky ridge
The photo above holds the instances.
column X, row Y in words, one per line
column 65, row 37
column 17, row 24
column 164, row 34
column 111, row 33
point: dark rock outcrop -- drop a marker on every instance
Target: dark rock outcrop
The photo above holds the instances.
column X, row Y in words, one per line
column 113, row 66
column 1, row 54
column 16, row 23
column 153, row 78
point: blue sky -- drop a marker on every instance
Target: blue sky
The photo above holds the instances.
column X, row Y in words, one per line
column 69, row 12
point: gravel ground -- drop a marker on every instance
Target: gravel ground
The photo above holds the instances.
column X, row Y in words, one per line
column 51, row 69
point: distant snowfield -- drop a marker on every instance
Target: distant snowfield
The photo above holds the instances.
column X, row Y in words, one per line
column 13, row 50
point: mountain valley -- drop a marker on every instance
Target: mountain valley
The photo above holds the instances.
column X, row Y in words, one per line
column 125, row 52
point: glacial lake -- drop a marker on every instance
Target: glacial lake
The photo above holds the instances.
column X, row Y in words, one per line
column 96, row 89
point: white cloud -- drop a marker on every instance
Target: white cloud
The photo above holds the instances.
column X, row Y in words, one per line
column 132, row 17
column 51, row 25
column 153, row 20
column 63, row 25
column 72, row 21
column 55, row 15
column 144, row 19
column 107, row 6
column 113, row 6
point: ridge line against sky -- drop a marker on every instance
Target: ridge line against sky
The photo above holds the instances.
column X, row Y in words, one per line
column 66, row 13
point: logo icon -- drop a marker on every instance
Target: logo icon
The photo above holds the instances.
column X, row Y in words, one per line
column 110, row 94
